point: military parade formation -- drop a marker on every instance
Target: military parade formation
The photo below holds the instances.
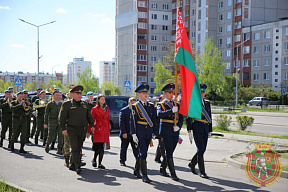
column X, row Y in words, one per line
column 70, row 121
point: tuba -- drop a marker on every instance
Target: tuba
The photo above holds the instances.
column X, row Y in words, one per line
column 42, row 103
column 26, row 106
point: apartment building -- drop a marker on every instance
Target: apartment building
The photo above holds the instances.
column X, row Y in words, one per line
column 107, row 72
column 78, row 66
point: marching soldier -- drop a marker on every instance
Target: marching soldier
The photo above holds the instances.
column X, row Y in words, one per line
column 142, row 124
column 166, row 111
column 34, row 126
column 41, row 102
column 125, row 136
column 51, row 120
column 19, row 122
column 27, row 99
column 6, row 116
column 200, row 129
column 73, row 117
column 11, row 89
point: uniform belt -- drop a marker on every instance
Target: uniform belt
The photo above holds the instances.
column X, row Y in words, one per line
column 167, row 121
column 19, row 117
column 142, row 123
column 201, row 120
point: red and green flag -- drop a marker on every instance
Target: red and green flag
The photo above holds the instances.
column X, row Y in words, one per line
column 191, row 101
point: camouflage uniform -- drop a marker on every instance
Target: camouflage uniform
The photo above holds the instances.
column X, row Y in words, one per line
column 6, row 121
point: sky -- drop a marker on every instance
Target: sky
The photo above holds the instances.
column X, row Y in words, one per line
column 83, row 28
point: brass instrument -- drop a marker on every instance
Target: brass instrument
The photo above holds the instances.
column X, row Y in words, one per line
column 13, row 97
column 50, row 90
column 26, row 106
column 42, row 103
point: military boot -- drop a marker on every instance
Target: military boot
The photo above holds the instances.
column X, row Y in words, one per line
column 12, row 147
column 59, row 151
column 44, row 141
column 192, row 164
column 1, row 142
column 172, row 170
column 52, row 145
column 163, row 168
column 66, row 163
column 144, row 171
column 137, row 169
column 36, row 140
column 9, row 144
column 47, row 148
column 22, row 149
column 202, row 168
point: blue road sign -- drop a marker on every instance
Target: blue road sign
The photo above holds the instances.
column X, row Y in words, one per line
column 127, row 84
column 282, row 91
column 138, row 84
column 18, row 81
column 129, row 90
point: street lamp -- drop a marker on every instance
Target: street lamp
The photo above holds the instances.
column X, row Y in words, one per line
column 37, row 44
column 52, row 71
column 238, row 70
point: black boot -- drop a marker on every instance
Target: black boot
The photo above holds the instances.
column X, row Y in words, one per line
column 22, row 149
column 158, row 155
column 1, row 142
column 66, row 164
column 172, row 170
column 44, row 141
column 52, row 145
column 101, row 154
column 36, row 140
column 59, row 151
column 202, row 168
column 163, row 168
column 144, row 171
column 12, row 147
column 47, row 148
column 137, row 169
column 192, row 164
column 9, row 144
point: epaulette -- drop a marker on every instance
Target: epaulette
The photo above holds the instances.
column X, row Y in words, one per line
column 134, row 104
column 206, row 100
column 160, row 102
column 151, row 103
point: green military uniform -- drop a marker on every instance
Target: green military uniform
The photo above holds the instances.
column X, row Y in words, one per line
column 19, row 123
column 34, row 98
column 40, row 123
column 66, row 150
column 73, row 117
column 89, row 106
column 51, row 118
column 28, row 120
column 6, row 122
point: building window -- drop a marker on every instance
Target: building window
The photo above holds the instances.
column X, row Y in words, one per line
column 277, row 44
column 164, row 38
column 152, row 80
column 229, row 3
column 277, row 37
column 246, row 49
column 164, row 49
column 186, row 13
column 174, row 16
column 153, row 37
column 164, row 28
column 246, row 63
column 246, row 13
column 238, row 1
column 228, row 28
column 256, row 50
column 193, row 12
column 229, row 15
column 276, row 58
column 193, row 35
column 238, row 25
column 153, row 48
column 174, row 27
column 237, row 51
column 153, row 59
column 186, row 23
column 142, row 3
column 199, row 3
column 220, row 42
column 141, row 78
column 266, row 34
column 141, row 57
column 141, row 68
column 228, row 41
column 276, row 73
column 142, row 14
column 285, row 61
column 266, row 62
column 220, row 29
column 220, row 4
column 276, row 52
column 228, row 53
column 256, row 36
column 246, row 2
column 153, row 27
column 237, row 38
column 142, row 47
column 220, row 17
column 276, row 66
column 237, row 63
column 238, row 12
column 266, row 76
column 142, row 36
column 142, row 25
column 193, row 23
column 165, row 7
column 228, row 66
column 266, row 48
column 245, row 76
column 255, row 77
column 199, row 38
column 199, row 26
column 286, row 31
column 165, row 17
column 286, row 76
column 154, row 16
column 154, row 6
column 246, row 36
column 255, row 63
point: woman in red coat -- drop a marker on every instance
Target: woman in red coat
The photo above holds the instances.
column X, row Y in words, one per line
column 100, row 115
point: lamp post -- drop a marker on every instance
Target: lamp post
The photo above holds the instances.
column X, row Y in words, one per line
column 238, row 70
column 38, row 26
column 52, row 71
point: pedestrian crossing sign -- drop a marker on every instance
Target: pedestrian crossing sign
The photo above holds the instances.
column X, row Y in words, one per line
column 127, row 84
column 18, row 81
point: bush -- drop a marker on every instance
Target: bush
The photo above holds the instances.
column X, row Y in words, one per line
column 244, row 121
column 223, row 122
column 274, row 96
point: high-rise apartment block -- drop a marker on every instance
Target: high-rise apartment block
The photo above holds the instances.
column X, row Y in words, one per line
column 78, row 66
column 107, row 72
column 145, row 28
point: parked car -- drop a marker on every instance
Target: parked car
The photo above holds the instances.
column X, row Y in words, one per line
column 115, row 104
column 259, row 101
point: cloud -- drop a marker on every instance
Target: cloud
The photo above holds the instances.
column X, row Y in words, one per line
column 96, row 15
column 61, row 10
column 73, row 47
column 107, row 20
column 4, row 7
column 18, row 46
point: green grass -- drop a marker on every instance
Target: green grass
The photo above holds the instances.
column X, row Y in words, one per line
column 281, row 110
column 6, row 188
column 225, row 112
column 240, row 132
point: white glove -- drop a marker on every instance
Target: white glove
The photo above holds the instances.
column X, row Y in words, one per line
column 209, row 134
column 174, row 109
column 176, row 128
column 190, row 135
column 135, row 139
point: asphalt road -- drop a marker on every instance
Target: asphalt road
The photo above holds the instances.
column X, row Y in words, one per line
column 39, row 171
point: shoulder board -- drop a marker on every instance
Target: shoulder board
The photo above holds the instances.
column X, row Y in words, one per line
column 206, row 100
column 151, row 103
column 134, row 104
column 160, row 102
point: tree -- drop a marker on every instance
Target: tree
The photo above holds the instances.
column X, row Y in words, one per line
column 109, row 89
column 210, row 69
column 9, row 84
column 162, row 76
column 59, row 85
column 2, row 86
column 29, row 86
column 229, row 82
column 248, row 93
column 88, row 81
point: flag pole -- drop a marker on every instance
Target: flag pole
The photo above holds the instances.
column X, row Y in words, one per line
column 176, row 74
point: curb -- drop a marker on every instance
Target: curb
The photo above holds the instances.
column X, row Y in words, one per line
column 237, row 164
column 16, row 187
column 246, row 141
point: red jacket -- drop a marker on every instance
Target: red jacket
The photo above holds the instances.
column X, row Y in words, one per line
column 102, row 125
